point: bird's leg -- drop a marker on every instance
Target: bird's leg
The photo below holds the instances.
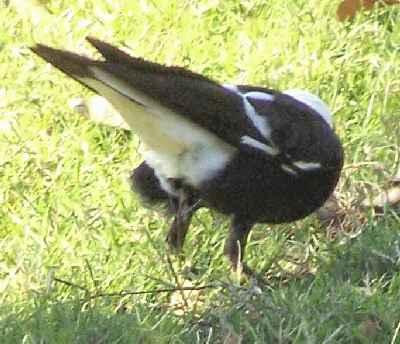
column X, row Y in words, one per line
column 185, row 208
column 236, row 243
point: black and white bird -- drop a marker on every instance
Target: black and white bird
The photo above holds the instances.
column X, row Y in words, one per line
column 256, row 154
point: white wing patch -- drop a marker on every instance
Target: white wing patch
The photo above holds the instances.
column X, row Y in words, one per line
column 307, row 166
column 247, row 140
column 288, row 169
column 258, row 121
column 175, row 147
column 260, row 95
column 301, row 165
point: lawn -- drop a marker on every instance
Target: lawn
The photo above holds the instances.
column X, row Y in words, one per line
column 76, row 246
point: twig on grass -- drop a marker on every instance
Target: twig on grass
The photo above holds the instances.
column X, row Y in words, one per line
column 178, row 283
column 70, row 284
column 151, row 291
column 123, row 293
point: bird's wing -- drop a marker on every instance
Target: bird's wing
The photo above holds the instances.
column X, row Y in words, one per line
column 190, row 124
column 168, row 107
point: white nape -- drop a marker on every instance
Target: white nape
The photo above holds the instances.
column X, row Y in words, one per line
column 313, row 102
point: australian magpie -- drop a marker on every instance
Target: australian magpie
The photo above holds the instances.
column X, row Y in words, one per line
column 255, row 154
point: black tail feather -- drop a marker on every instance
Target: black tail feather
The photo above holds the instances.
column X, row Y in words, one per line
column 109, row 52
column 115, row 55
column 71, row 64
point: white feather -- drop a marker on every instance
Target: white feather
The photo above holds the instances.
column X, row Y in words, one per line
column 176, row 147
column 307, row 166
column 247, row 140
column 258, row 121
column 260, row 96
column 288, row 169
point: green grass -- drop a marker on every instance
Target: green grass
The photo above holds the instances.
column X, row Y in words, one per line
column 70, row 228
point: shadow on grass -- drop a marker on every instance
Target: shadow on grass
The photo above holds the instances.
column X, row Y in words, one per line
column 45, row 321
column 353, row 298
